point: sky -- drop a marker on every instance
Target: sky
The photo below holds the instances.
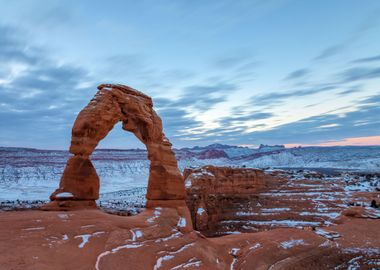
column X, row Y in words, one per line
column 233, row 72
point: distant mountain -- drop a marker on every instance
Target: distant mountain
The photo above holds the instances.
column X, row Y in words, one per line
column 34, row 173
column 268, row 148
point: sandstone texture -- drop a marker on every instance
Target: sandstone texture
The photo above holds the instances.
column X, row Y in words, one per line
column 110, row 105
column 156, row 239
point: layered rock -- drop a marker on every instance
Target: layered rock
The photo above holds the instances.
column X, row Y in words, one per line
column 237, row 200
column 110, row 105
column 214, row 192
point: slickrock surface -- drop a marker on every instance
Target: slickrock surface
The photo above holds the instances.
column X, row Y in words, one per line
column 158, row 239
column 233, row 200
column 79, row 186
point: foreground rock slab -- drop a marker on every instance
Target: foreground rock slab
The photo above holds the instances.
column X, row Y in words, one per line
column 158, row 239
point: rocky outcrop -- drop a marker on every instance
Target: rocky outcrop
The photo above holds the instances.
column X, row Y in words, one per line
column 110, row 105
column 237, row 200
column 215, row 192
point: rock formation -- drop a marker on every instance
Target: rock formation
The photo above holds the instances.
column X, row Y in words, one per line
column 234, row 200
column 79, row 185
column 213, row 192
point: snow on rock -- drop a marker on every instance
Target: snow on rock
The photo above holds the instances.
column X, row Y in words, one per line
column 256, row 246
column 327, row 234
column 193, row 262
column 160, row 261
column 34, row 229
column 200, row 211
column 138, row 233
column 86, row 237
column 64, row 195
column 63, row 216
column 170, row 255
column 292, row 243
column 156, row 214
column 234, row 252
column 170, row 237
column 181, row 222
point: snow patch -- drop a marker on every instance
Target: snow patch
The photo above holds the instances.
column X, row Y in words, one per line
column 160, row 260
column 64, row 195
column 86, row 238
column 234, row 252
column 200, row 211
column 63, row 216
column 34, row 229
column 292, row 243
column 256, row 246
column 181, row 222
column 170, row 237
column 156, row 214
column 193, row 262
column 327, row 234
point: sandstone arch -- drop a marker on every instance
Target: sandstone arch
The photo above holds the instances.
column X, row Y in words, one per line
column 79, row 185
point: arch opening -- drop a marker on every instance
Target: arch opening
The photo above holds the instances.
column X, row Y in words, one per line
column 79, row 185
column 121, row 162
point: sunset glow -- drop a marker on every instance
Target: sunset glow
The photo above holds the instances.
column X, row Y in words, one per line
column 357, row 141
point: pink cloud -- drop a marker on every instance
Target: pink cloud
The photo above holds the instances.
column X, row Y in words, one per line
column 356, row 141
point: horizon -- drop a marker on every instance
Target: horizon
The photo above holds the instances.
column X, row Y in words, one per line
column 233, row 72
column 286, row 146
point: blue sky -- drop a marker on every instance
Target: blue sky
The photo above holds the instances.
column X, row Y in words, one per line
column 236, row 72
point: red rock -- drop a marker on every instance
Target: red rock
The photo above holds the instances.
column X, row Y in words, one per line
column 212, row 192
column 231, row 200
column 79, row 179
column 91, row 239
column 110, row 105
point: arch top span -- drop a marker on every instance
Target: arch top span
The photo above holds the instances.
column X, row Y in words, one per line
column 115, row 103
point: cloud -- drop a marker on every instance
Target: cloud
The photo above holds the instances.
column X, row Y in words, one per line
column 360, row 73
column 177, row 114
column 44, row 97
column 370, row 22
column 12, row 49
column 372, row 100
column 236, row 66
column 330, row 51
column 229, row 61
column 299, row 73
column 362, row 122
column 240, row 120
column 204, row 96
column 278, row 97
column 367, row 59
column 317, row 129
column 40, row 102
column 354, row 89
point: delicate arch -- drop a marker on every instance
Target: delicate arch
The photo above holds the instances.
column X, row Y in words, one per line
column 111, row 104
